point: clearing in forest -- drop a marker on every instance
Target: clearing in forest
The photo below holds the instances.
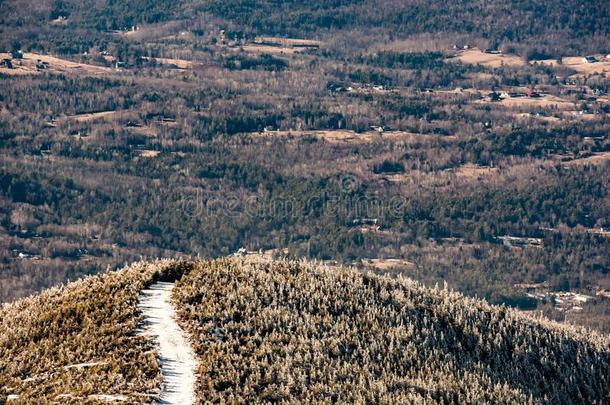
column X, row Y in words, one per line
column 492, row 60
column 34, row 63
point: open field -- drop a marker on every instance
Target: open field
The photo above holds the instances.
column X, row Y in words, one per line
column 87, row 117
column 291, row 42
column 475, row 171
column 491, row 60
column 387, row 264
column 277, row 45
column 259, row 48
column 545, row 101
column 148, row 153
column 545, row 118
column 594, row 159
column 27, row 65
column 179, row 63
column 579, row 64
column 348, row 136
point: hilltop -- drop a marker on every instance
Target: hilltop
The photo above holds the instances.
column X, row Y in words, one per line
column 285, row 331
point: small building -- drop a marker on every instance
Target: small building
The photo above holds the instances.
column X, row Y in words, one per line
column 381, row 128
column 133, row 124
column 495, row 96
column 41, row 65
column 17, row 54
column 603, row 293
column 532, row 93
column 590, row 59
column 365, row 221
column 518, row 241
column 241, row 252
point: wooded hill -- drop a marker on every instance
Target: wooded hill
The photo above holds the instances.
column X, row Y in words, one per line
column 554, row 26
column 295, row 332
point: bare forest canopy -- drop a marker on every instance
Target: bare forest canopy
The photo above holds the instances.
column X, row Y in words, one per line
column 553, row 27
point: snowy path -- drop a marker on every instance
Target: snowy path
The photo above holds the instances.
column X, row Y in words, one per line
column 177, row 359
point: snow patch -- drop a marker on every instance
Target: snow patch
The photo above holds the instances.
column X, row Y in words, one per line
column 176, row 356
column 108, row 398
column 84, row 365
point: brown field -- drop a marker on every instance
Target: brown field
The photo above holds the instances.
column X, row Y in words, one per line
column 179, row 63
column 344, row 136
column 474, row 171
column 292, row 42
column 577, row 63
column 257, row 48
column 478, row 57
column 148, row 153
column 416, row 43
column 546, row 118
column 545, row 101
column 93, row 116
column 143, row 130
column 595, row 159
column 27, row 65
column 277, row 45
column 387, row 264
column 601, row 232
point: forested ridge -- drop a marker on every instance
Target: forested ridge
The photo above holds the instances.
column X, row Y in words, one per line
column 555, row 27
column 293, row 331
column 279, row 331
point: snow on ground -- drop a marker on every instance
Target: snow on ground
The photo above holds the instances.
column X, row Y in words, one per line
column 176, row 356
column 108, row 398
column 85, row 365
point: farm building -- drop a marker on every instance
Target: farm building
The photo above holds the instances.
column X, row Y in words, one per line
column 495, row 96
column 590, row 59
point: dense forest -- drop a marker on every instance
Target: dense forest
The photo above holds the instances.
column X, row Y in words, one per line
column 544, row 27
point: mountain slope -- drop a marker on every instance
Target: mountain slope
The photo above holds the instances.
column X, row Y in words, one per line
column 557, row 26
column 293, row 332
column 79, row 342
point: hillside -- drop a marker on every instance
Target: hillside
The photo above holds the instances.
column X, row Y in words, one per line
column 295, row 332
column 555, row 26
column 78, row 343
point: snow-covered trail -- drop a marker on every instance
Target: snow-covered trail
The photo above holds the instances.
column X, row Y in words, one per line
column 176, row 356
